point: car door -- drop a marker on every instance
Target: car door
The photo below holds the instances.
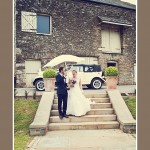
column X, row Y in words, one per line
column 88, row 74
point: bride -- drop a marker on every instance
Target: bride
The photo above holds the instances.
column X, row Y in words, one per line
column 77, row 104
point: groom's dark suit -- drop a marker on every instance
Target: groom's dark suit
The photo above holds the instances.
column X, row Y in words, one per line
column 62, row 93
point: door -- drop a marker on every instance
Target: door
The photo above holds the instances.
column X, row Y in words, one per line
column 31, row 71
column 89, row 74
column 112, row 63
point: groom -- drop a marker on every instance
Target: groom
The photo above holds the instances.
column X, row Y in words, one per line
column 62, row 92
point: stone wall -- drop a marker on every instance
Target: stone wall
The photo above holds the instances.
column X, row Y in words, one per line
column 75, row 30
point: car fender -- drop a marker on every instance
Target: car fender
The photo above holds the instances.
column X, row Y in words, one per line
column 102, row 78
column 37, row 78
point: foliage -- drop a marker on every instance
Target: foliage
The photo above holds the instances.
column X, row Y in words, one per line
column 111, row 71
column 26, row 94
column 49, row 73
column 24, row 112
column 34, row 95
column 131, row 103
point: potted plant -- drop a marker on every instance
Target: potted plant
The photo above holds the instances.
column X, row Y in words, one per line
column 49, row 79
column 111, row 74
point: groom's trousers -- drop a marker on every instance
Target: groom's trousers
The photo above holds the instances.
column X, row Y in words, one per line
column 62, row 98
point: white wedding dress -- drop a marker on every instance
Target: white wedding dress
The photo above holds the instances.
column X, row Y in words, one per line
column 77, row 103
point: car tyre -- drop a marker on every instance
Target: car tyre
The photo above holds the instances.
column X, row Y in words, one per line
column 96, row 83
column 39, row 85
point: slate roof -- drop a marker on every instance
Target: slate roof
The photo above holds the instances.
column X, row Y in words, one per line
column 117, row 3
column 114, row 21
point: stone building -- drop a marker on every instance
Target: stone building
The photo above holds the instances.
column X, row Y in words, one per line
column 102, row 31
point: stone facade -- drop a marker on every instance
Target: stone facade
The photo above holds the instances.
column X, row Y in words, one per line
column 75, row 30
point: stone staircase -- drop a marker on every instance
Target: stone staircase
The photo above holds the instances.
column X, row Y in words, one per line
column 101, row 116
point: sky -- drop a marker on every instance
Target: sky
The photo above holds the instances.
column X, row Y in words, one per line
column 130, row 1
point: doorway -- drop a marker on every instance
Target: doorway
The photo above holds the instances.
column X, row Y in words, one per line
column 31, row 70
column 112, row 63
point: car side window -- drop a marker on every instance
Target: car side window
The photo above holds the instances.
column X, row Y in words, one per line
column 77, row 68
column 88, row 69
column 80, row 68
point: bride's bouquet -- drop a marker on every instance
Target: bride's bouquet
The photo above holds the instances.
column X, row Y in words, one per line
column 73, row 81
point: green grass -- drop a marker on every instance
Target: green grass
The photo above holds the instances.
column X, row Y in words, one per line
column 24, row 112
column 131, row 103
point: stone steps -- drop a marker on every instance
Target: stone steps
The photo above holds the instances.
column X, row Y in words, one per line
column 86, row 118
column 91, row 95
column 101, row 116
column 96, row 100
column 93, row 106
column 84, row 125
column 103, row 111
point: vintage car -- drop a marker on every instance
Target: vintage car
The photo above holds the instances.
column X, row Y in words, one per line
column 91, row 75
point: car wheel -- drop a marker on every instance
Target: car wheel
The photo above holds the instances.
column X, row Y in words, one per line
column 40, row 85
column 96, row 83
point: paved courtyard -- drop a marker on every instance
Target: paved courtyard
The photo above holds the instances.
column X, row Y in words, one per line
column 104, row 139
column 121, row 88
column 110, row 139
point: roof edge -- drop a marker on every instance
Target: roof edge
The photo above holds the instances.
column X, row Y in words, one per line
column 92, row 1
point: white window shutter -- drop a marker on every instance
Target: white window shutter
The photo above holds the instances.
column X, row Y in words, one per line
column 105, row 39
column 28, row 21
column 115, row 42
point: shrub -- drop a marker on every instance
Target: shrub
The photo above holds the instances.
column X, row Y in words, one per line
column 111, row 71
column 49, row 73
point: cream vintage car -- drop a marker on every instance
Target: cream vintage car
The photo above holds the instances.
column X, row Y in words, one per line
column 91, row 76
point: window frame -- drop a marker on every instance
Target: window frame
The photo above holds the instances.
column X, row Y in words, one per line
column 50, row 24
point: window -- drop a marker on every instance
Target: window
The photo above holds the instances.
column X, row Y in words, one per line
column 77, row 68
column 88, row 69
column 31, row 22
column 43, row 24
column 80, row 68
column 110, row 40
